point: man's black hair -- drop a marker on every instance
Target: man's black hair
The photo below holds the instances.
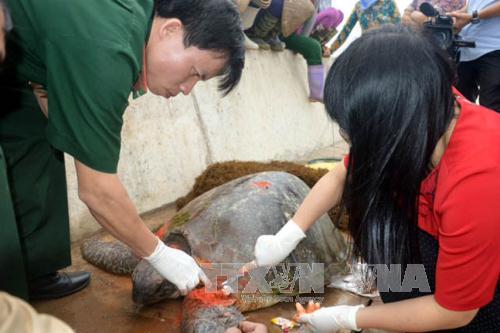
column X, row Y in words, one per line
column 211, row 25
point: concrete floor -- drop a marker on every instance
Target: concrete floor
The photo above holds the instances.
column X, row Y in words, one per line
column 106, row 305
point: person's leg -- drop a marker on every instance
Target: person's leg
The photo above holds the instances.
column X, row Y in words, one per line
column 311, row 50
column 12, row 274
column 264, row 24
column 248, row 18
column 276, row 8
column 468, row 84
column 37, row 182
column 325, row 27
column 489, row 80
column 263, row 4
column 308, row 47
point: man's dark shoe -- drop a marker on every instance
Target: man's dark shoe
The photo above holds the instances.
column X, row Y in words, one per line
column 57, row 285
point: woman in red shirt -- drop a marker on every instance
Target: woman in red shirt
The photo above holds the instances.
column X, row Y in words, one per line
column 422, row 186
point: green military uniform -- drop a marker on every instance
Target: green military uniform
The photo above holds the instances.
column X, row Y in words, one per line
column 87, row 55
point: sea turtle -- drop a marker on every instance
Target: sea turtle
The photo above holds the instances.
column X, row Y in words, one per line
column 221, row 226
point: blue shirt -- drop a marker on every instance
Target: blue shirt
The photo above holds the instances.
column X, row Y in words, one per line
column 486, row 33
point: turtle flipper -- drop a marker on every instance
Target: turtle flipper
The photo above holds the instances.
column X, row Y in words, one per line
column 111, row 256
column 204, row 312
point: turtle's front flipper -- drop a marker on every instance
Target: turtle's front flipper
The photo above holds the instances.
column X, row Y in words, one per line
column 110, row 255
column 209, row 312
column 104, row 251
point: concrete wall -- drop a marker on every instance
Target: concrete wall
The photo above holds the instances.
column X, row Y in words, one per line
column 167, row 143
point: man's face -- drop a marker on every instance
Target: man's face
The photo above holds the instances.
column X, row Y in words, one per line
column 172, row 68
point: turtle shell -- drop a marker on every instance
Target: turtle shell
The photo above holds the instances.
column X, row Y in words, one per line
column 221, row 227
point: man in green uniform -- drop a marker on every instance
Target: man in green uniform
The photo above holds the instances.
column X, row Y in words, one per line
column 67, row 77
column 9, row 253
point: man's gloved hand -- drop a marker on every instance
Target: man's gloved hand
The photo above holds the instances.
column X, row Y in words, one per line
column 177, row 267
column 331, row 319
column 272, row 249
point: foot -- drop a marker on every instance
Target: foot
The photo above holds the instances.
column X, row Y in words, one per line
column 250, row 45
column 261, row 43
column 313, row 99
column 58, row 284
column 276, row 45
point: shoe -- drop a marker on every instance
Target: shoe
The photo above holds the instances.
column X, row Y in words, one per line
column 261, row 43
column 55, row 285
column 264, row 24
column 276, row 44
column 316, row 80
column 250, row 44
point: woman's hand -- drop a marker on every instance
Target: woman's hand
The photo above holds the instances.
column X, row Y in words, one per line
column 330, row 319
column 272, row 249
column 311, row 307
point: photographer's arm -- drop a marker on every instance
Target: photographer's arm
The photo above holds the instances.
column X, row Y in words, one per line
column 490, row 11
column 462, row 17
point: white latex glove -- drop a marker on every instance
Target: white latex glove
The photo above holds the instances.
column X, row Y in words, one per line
column 177, row 267
column 331, row 319
column 272, row 249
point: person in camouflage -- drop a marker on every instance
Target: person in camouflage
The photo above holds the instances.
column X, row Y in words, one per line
column 370, row 14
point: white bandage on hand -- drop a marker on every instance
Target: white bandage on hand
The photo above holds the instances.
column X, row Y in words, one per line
column 331, row 319
column 177, row 267
column 272, row 249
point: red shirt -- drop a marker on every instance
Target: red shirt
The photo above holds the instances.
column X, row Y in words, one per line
column 459, row 205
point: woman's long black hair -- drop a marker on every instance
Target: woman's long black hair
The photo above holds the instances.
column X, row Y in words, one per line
column 391, row 94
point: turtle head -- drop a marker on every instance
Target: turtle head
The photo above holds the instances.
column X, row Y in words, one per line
column 148, row 286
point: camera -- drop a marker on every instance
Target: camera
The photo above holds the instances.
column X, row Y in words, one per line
column 441, row 28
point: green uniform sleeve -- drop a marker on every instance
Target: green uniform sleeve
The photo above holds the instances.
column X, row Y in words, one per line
column 88, row 84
